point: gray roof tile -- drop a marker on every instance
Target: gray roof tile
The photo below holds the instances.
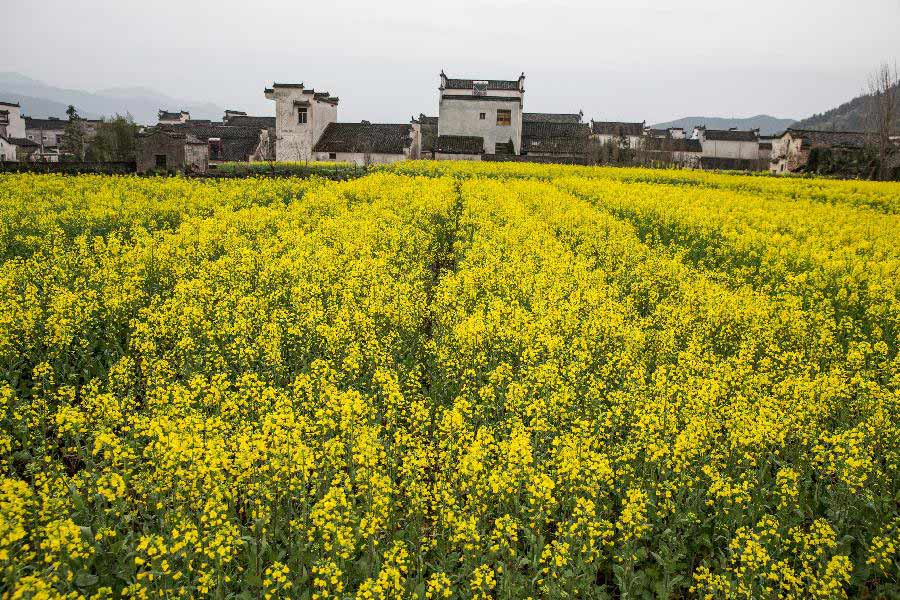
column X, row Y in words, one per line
column 551, row 118
column 616, row 128
column 459, row 144
column 376, row 138
column 725, row 135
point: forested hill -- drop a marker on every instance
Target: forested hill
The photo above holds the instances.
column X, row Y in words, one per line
column 767, row 125
column 849, row 116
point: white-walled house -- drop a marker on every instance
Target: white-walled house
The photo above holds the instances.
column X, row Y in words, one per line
column 729, row 149
column 618, row 132
column 301, row 117
column 12, row 124
column 7, row 150
column 730, row 143
column 15, row 146
column 791, row 150
column 490, row 109
column 47, row 134
column 173, row 118
column 367, row 143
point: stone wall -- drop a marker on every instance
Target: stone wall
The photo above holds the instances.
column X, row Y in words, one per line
column 160, row 144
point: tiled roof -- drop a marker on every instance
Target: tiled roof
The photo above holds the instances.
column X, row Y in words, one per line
column 15, row 104
column 459, row 144
column 158, row 131
column 51, row 124
column 844, row 139
column 212, row 130
column 237, row 142
column 657, row 144
column 238, row 149
column 320, row 96
column 250, row 121
column 164, row 114
column 551, row 118
column 723, row 135
column 426, row 120
column 323, row 96
column 544, row 130
column 616, row 128
column 554, row 138
column 375, row 138
column 492, row 84
column 22, row 142
column 471, row 98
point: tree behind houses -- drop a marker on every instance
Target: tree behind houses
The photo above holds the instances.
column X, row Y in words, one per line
column 72, row 147
column 115, row 141
column 884, row 114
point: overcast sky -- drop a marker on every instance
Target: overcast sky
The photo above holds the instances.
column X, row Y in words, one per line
column 616, row 60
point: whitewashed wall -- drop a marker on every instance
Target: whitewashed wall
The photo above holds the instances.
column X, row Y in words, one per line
column 16, row 126
column 730, row 149
column 7, row 151
column 295, row 141
column 460, row 111
column 361, row 159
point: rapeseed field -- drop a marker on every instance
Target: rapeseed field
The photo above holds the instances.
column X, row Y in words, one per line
column 450, row 380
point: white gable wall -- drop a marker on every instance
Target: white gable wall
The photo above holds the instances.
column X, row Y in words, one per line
column 294, row 141
column 16, row 126
column 730, row 149
column 7, row 151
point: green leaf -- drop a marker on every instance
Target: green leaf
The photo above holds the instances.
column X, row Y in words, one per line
column 84, row 579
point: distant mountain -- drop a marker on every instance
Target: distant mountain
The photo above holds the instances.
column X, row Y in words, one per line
column 41, row 107
column 849, row 116
column 39, row 99
column 767, row 125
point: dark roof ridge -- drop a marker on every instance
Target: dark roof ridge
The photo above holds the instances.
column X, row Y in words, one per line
column 824, row 131
column 375, row 138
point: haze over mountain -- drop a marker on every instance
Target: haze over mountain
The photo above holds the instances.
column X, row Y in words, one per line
column 41, row 107
column 767, row 124
column 39, row 99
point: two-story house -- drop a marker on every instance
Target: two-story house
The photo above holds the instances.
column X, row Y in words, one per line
column 485, row 109
column 301, row 116
column 617, row 132
column 791, row 150
column 14, row 145
column 48, row 134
